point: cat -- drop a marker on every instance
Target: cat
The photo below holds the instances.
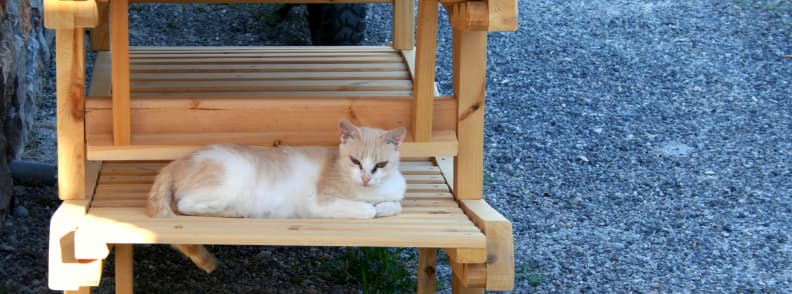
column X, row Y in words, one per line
column 358, row 180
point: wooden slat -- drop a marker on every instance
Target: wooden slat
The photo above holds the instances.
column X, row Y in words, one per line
column 470, row 65
column 446, row 165
column 288, row 85
column 423, row 86
column 295, row 121
column 119, row 38
column 234, row 49
column 70, row 104
column 113, row 228
column 378, row 75
column 403, row 24
column 142, row 55
column 159, row 68
column 258, row 1
column 270, row 60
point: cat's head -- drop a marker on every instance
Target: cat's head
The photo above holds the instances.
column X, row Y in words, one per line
column 369, row 155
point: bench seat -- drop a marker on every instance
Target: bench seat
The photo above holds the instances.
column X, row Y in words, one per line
column 431, row 218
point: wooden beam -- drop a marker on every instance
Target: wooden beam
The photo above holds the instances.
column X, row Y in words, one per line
column 423, row 86
column 287, row 120
column 100, row 34
column 470, row 66
column 500, row 243
column 467, row 255
column 70, row 104
column 403, row 24
column 458, row 286
column 69, row 14
column 503, row 15
column 470, row 16
column 427, row 270
column 170, row 152
column 119, row 38
column 66, row 272
column 470, row 275
column 124, row 260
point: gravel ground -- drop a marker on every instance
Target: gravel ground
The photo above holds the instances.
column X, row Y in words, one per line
column 637, row 146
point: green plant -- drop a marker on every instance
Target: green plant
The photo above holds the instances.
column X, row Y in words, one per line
column 530, row 271
column 375, row 270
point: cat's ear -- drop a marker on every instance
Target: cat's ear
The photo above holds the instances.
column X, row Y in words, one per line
column 396, row 136
column 348, row 131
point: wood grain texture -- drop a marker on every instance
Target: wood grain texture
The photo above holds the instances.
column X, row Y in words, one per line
column 503, row 15
column 426, row 222
column 500, row 243
column 470, row 65
column 427, row 270
column 100, row 34
column 404, row 24
column 423, row 85
column 69, row 15
column 119, row 39
column 70, row 104
column 124, row 275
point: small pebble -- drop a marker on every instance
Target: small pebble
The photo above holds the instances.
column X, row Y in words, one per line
column 20, row 210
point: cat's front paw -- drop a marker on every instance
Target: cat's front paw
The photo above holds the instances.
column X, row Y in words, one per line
column 387, row 208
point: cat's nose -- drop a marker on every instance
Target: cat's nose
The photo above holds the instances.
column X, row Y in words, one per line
column 366, row 179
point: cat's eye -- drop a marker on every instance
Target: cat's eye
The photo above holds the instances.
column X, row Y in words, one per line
column 379, row 165
column 355, row 161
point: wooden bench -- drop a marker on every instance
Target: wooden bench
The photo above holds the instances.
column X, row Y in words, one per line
column 113, row 139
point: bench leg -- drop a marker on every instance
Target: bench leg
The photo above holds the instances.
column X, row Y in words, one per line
column 457, row 287
column 427, row 269
column 82, row 290
column 123, row 269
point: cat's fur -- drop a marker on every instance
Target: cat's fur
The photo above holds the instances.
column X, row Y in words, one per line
column 284, row 182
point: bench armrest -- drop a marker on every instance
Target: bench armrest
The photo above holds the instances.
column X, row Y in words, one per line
column 65, row 14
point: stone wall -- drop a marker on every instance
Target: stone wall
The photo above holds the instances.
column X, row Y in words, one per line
column 25, row 61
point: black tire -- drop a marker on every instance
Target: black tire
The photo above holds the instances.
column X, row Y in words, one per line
column 337, row 24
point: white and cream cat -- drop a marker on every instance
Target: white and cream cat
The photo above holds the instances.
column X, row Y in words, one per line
column 359, row 180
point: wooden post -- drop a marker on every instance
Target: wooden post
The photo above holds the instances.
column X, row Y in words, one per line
column 427, row 270
column 70, row 80
column 457, row 287
column 470, row 67
column 82, row 290
column 119, row 38
column 100, row 35
column 124, row 276
column 403, row 24
column 423, row 85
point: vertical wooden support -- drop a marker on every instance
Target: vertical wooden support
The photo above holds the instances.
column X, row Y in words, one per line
column 100, row 35
column 123, row 269
column 403, row 24
column 470, row 67
column 423, row 85
column 457, row 287
column 70, row 68
column 82, row 290
column 427, row 270
column 119, row 44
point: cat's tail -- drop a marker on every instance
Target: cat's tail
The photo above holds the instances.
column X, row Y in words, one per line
column 199, row 255
column 161, row 195
column 160, row 204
